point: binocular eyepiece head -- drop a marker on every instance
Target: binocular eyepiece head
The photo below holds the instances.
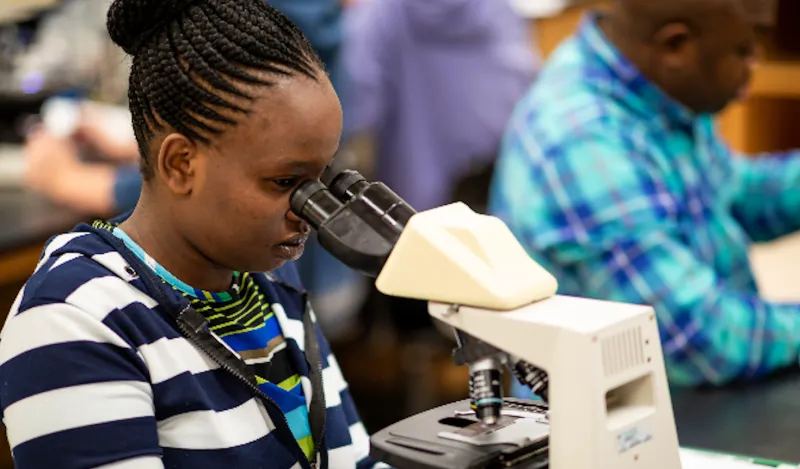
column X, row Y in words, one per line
column 317, row 201
column 357, row 221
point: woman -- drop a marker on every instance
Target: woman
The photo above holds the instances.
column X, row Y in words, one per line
column 152, row 342
column 55, row 169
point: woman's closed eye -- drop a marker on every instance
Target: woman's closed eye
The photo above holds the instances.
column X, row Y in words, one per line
column 285, row 183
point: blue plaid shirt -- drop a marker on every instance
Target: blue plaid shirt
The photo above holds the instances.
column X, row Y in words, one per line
column 625, row 195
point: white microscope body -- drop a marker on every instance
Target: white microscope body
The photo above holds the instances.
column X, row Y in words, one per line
column 610, row 405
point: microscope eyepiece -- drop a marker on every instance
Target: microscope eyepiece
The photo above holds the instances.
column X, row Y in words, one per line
column 314, row 203
column 347, row 184
column 329, row 175
column 357, row 221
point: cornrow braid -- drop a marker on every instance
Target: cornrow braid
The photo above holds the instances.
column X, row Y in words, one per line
column 191, row 58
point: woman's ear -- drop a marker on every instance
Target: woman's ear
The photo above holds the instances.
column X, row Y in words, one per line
column 177, row 163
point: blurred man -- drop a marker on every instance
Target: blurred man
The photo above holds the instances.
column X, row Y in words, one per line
column 614, row 177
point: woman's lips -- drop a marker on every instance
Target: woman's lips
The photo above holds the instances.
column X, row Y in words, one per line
column 292, row 248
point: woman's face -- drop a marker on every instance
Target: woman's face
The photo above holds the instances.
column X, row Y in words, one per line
column 237, row 212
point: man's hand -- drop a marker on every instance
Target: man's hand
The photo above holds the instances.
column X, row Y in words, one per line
column 55, row 170
column 91, row 133
column 49, row 161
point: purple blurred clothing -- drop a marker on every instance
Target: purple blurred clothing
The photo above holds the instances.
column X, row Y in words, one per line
column 436, row 82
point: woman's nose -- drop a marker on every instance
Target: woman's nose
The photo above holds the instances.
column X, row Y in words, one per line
column 293, row 216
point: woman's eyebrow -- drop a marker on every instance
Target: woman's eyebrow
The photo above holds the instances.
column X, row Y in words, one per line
column 294, row 165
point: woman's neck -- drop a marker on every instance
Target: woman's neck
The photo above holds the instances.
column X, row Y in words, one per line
column 155, row 233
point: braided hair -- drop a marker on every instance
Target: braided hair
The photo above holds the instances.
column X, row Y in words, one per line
column 191, row 58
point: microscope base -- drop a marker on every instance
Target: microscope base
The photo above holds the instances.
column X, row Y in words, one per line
column 450, row 437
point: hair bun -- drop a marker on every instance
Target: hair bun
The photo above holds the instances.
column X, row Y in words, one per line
column 131, row 22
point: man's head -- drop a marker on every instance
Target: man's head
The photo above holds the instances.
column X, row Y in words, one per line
column 700, row 52
column 232, row 109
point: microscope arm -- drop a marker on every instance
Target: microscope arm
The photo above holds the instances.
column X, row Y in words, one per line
column 605, row 377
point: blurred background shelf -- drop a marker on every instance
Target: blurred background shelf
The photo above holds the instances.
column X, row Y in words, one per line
column 20, row 10
column 545, row 8
column 777, row 78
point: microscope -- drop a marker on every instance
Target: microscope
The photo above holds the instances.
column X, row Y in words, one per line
column 596, row 366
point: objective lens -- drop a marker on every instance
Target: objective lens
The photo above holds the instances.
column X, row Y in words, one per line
column 533, row 377
column 314, row 203
column 486, row 395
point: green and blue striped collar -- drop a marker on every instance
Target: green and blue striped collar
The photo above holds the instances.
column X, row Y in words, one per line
column 167, row 275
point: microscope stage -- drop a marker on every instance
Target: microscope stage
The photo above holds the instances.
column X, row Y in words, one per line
column 451, row 437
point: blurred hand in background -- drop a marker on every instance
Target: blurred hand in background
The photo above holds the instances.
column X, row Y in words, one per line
column 57, row 167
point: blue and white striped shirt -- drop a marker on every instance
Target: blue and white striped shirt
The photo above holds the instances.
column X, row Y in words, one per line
column 94, row 373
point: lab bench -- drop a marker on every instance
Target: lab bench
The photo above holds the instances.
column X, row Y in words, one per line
column 759, row 420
